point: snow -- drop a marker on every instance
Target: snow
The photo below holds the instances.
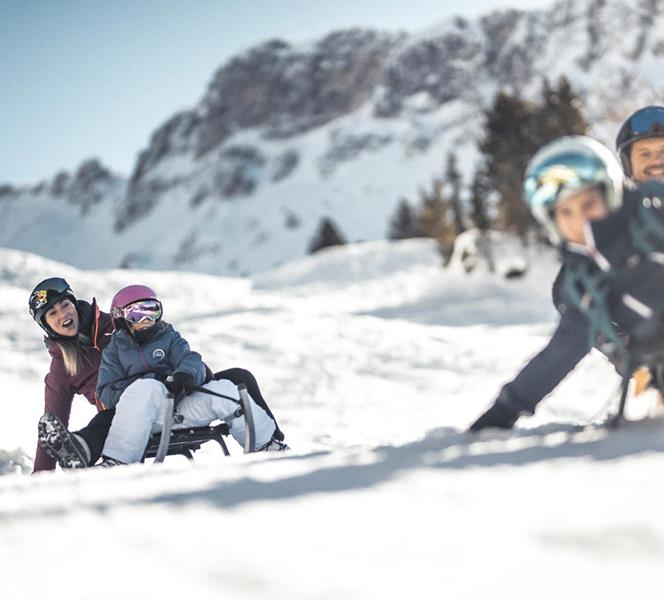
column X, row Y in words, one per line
column 375, row 360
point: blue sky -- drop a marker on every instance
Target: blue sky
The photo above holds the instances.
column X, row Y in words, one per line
column 91, row 78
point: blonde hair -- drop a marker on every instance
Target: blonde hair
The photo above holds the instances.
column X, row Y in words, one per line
column 72, row 355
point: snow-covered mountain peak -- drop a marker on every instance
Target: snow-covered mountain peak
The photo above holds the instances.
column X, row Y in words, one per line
column 341, row 127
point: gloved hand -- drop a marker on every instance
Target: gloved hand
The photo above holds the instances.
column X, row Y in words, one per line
column 498, row 415
column 180, row 384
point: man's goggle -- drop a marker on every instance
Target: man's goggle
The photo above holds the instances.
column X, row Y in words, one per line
column 139, row 312
column 648, row 120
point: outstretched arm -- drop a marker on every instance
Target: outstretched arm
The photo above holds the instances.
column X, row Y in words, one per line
column 541, row 375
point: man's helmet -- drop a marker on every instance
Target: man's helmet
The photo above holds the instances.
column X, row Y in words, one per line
column 566, row 166
column 645, row 123
column 45, row 294
column 135, row 304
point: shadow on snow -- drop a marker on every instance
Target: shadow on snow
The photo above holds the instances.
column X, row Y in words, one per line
column 441, row 449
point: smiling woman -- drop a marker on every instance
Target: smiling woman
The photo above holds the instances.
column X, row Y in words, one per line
column 63, row 318
column 76, row 332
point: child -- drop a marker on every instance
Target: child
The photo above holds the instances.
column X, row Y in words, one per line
column 143, row 352
column 611, row 239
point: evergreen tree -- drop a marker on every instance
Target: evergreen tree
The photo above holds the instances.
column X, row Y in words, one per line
column 326, row 235
column 434, row 219
column 559, row 113
column 479, row 190
column 514, row 131
column 507, row 146
column 403, row 224
column 453, row 181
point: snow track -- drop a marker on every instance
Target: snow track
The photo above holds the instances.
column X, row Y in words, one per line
column 374, row 380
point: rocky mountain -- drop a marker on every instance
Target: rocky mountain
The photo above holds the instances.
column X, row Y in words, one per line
column 341, row 128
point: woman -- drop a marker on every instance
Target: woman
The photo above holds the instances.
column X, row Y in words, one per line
column 76, row 333
column 611, row 288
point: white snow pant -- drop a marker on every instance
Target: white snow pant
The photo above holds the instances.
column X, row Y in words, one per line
column 140, row 412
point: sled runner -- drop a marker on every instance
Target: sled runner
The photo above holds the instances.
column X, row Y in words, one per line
column 186, row 441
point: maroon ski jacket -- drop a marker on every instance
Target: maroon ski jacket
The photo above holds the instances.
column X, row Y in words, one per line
column 94, row 334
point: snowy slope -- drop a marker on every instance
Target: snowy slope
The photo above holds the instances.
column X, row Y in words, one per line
column 375, row 361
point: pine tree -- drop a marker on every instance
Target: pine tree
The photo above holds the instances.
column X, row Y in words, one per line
column 453, row 181
column 434, row 219
column 558, row 114
column 514, row 131
column 403, row 224
column 479, row 190
column 507, row 146
column 326, row 235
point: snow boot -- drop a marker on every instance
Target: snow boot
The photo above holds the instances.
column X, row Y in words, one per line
column 274, row 445
column 69, row 449
column 108, row 462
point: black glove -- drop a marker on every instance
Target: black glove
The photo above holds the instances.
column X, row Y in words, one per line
column 180, row 384
column 498, row 415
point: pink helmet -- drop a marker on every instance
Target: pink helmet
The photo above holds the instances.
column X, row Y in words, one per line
column 126, row 296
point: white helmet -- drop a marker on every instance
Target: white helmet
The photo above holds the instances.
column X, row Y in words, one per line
column 566, row 166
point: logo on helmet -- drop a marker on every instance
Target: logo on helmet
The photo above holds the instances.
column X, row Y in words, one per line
column 559, row 175
column 39, row 299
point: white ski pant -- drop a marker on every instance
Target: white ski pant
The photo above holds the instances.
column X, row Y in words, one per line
column 140, row 413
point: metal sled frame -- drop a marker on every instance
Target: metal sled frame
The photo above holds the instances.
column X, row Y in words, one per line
column 186, row 441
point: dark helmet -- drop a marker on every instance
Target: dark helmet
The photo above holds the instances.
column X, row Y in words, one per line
column 645, row 123
column 46, row 294
column 146, row 301
column 567, row 166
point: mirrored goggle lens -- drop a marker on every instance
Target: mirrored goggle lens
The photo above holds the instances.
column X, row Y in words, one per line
column 567, row 172
column 139, row 312
column 647, row 120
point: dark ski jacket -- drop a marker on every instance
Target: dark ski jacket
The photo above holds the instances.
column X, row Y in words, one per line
column 610, row 295
column 156, row 353
column 95, row 330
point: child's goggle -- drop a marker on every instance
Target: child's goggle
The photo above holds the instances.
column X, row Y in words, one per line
column 139, row 312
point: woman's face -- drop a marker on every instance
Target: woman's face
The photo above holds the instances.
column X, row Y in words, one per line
column 62, row 318
column 571, row 214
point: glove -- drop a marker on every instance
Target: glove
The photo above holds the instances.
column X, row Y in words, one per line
column 180, row 384
column 498, row 415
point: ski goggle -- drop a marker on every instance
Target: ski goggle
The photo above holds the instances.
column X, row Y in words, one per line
column 647, row 120
column 562, row 176
column 139, row 312
column 46, row 291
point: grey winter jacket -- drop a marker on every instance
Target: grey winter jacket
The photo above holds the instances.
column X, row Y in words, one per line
column 124, row 360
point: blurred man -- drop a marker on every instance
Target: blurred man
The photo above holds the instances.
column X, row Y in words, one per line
column 640, row 144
